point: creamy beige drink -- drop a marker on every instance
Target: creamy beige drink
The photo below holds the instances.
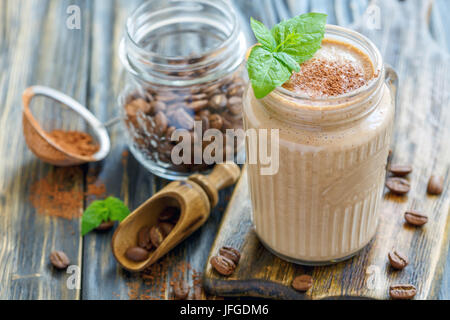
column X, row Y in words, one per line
column 335, row 120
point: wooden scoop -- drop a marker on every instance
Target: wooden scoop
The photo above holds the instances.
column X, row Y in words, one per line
column 194, row 197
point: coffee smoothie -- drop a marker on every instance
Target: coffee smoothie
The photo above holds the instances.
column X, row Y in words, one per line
column 335, row 120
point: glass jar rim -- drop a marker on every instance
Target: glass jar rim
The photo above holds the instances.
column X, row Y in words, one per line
column 131, row 51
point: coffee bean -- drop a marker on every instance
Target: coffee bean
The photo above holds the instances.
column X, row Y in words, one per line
column 169, row 133
column 398, row 186
column 204, row 113
column 212, row 88
column 156, row 236
column 216, row 121
column 402, row 291
column 435, row 185
column 196, row 97
column 230, row 253
column 183, row 120
column 161, row 123
column 142, row 105
column 105, row 226
column 158, row 106
column 180, row 290
column 302, row 283
column 400, row 170
column 144, row 240
column 235, row 90
column 137, row 254
column 169, row 213
column 197, row 106
column 235, row 109
column 59, row 260
column 223, row 265
column 398, row 261
column 235, row 100
column 205, row 123
column 218, row 102
column 166, row 228
column 415, row 218
column 167, row 97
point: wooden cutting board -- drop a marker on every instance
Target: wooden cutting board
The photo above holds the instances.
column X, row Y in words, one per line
column 368, row 275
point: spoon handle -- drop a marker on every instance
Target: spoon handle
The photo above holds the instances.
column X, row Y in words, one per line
column 222, row 176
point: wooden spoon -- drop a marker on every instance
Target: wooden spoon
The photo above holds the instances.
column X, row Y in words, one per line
column 194, row 197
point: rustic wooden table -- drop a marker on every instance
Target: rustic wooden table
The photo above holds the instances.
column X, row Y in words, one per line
column 36, row 47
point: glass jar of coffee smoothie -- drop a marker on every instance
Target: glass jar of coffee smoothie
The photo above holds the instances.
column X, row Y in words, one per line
column 184, row 66
column 335, row 119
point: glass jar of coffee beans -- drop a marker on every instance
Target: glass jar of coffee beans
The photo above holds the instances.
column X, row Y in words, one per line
column 184, row 63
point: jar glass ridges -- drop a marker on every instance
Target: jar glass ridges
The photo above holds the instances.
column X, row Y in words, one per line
column 184, row 65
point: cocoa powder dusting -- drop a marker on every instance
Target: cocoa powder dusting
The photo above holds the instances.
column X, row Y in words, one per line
column 75, row 142
column 156, row 283
column 326, row 78
column 59, row 193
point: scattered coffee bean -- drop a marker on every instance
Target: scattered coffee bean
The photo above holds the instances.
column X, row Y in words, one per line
column 223, row 265
column 180, row 290
column 398, row 261
column 398, row 186
column 59, row 260
column 105, row 226
column 400, row 170
column 402, row 291
column 156, row 236
column 415, row 218
column 302, row 283
column 435, row 185
column 144, row 240
column 137, row 254
column 166, row 228
column 230, row 253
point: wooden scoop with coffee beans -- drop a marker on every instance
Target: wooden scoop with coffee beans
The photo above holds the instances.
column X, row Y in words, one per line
column 169, row 217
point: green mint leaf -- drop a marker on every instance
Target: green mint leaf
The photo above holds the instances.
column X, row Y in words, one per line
column 110, row 209
column 262, row 34
column 93, row 216
column 288, row 61
column 292, row 42
column 265, row 71
column 309, row 30
column 117, row 209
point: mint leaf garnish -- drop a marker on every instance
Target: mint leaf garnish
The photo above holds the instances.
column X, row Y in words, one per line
column 110, row 209
column 282, row 50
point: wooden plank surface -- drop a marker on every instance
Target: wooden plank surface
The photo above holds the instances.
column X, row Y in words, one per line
column 421, row 131
column 37, row 48
column 30, row 47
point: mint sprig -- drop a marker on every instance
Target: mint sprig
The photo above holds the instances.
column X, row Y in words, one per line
column 282, row 50
column 110, row 209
